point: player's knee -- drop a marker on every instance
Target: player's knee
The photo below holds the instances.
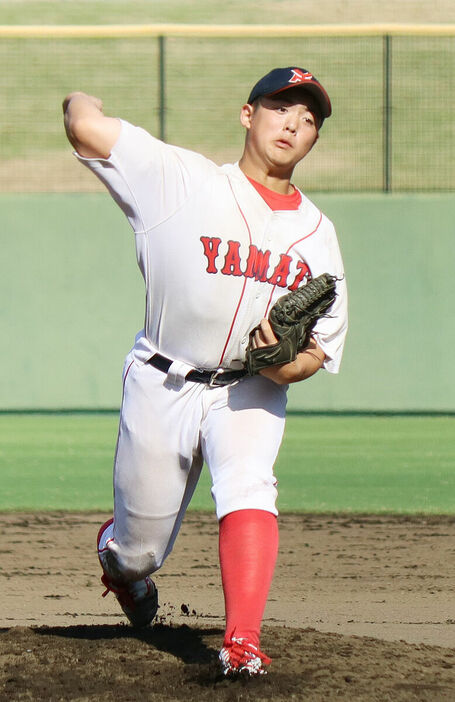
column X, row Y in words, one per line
column 135, row 566
column 252, row 493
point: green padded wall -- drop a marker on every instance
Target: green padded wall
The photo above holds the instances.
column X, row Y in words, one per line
column 72, row 300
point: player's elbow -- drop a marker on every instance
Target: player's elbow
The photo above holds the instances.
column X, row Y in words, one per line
column 86, row 134
column 75, row 129
column 79, row 131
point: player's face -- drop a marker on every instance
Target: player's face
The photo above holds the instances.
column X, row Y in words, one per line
column 281, row 129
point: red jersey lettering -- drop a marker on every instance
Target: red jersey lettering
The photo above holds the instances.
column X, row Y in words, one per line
column 232, row 259
column 280, row 274
column 257, row 264
column 304, row 271
column 211, row 246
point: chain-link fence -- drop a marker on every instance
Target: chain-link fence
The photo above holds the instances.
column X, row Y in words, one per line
column 392, row 91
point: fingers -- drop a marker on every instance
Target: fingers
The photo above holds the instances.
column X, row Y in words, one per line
column 84, row 98
column 264, row 336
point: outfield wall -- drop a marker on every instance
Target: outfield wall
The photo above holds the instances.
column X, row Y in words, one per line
column 72, row 299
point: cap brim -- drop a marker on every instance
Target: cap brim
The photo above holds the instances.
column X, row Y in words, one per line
column 318, row 93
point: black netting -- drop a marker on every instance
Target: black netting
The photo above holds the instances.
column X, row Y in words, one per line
column 405, row 142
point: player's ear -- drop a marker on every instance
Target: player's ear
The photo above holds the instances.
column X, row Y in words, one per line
column 246, row 114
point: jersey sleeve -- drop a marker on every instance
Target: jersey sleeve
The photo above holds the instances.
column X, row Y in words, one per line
column 330, row 332
column 147, row 178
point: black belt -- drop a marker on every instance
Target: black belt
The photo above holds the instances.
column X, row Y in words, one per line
column 198, row 375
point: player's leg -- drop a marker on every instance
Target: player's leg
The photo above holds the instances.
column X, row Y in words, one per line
column 248, row 546
column 240, row 441
column 157, row 466
column 138, row 598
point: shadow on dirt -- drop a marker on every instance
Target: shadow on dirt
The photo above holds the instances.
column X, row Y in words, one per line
column 182, row 642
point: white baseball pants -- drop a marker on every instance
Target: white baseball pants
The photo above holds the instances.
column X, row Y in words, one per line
column 166, row 432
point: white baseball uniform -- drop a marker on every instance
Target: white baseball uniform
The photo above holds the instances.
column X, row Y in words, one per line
column 214, row 257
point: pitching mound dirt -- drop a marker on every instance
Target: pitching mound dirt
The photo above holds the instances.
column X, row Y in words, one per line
column 361, row 609
column 180, row 663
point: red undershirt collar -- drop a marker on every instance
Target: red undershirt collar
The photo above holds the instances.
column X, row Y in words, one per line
column 277, row 201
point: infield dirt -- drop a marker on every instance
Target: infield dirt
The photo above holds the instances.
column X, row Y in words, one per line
column 361, row 608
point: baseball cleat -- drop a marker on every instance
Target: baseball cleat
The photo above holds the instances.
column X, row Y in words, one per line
column 139, row 599
column 240, row 657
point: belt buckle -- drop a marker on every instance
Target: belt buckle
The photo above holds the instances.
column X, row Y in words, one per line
column 214, row 376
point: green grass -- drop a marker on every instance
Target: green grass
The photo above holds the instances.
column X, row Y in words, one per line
column 368, row 464
column 327, row 464
column 56, row 461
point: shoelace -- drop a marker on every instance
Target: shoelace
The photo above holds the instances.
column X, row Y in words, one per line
column 241, row 652
column 120, row 592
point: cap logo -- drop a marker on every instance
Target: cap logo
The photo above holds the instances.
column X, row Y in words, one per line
column 299, row 76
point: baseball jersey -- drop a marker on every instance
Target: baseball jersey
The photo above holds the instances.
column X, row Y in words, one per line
column 213, row 254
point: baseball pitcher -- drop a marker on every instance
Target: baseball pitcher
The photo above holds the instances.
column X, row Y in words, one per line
column 245, row 294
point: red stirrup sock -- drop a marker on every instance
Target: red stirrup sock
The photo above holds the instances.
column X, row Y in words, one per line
column 248, row 548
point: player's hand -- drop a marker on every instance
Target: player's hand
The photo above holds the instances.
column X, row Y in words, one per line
column 304, row 366
column 263, row 336
column 89, row 99
column 92, row 134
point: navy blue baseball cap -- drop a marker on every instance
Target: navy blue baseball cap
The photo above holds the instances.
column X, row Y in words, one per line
column 291, row 77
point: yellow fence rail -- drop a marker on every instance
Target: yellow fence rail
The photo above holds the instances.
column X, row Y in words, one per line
column 225, row 30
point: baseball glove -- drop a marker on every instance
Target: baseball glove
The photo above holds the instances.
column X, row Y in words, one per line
column 293, row 318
